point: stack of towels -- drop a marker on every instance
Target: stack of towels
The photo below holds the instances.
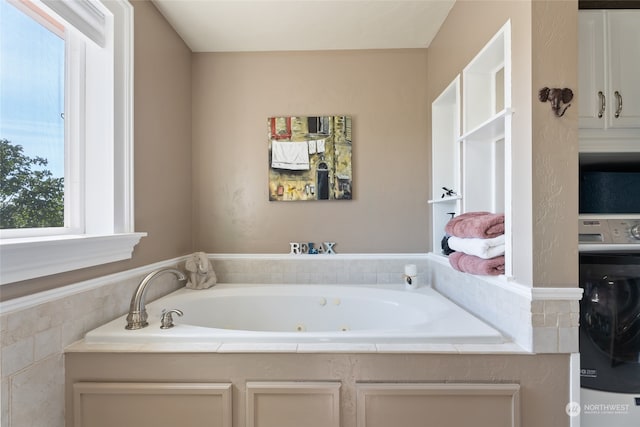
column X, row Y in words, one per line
column 478, row 241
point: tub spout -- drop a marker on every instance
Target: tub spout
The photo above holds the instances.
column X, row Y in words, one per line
column 137, row 318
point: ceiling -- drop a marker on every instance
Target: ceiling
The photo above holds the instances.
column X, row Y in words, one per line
column 275, row 25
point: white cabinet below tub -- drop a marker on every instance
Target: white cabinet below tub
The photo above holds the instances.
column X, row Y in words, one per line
column 608, row 69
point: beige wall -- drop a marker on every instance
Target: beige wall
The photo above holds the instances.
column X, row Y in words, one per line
column 545, row 159
column 555, row 145
column 163, row 137
column 384, row 91
column 162, row 152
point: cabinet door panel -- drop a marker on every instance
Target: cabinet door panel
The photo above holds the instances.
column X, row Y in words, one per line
column 293, row 404
column 152, row 404
column 624, row 60
column 442, row 405
column 591, row 66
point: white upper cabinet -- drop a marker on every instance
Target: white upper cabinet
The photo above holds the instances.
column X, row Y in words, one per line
column 624, row 79
column 591, row 64
column 609, row 69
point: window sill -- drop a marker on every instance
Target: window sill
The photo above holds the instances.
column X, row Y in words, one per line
column 28, row 258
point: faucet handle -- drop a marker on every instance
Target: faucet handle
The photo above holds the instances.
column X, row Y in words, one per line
column 166, row 318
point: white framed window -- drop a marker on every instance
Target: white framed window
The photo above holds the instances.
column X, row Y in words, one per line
column 98, row 159
column 32, row 82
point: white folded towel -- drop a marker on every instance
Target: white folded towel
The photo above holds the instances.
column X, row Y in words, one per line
column 482, row 248
column 320, row 146
column 290, row 155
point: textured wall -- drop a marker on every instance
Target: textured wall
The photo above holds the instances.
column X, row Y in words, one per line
column 555, row 145
column 385, row 94
column 162, row 121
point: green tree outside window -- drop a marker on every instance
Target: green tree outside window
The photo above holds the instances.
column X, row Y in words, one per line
column 30, row 197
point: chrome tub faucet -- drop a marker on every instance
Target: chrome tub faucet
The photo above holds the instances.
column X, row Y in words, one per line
column 137, row 318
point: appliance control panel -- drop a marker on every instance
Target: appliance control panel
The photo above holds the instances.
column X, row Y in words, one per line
column 625, row 231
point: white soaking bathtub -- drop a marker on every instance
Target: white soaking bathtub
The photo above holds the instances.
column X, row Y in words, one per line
column 302, row 314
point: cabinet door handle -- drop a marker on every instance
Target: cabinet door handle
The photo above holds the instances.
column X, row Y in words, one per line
column 602, row 104
column 619, row 98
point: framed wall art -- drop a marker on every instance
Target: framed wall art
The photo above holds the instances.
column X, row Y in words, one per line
column 310, row 158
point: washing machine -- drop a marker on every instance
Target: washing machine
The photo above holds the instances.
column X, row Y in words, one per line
column 610, row 339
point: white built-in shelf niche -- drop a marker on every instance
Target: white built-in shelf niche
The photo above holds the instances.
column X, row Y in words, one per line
column 473, row 159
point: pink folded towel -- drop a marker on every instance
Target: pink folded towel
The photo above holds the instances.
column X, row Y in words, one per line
column 474, row 265
column 483, row 225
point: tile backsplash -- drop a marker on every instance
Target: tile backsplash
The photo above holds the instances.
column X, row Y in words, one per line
column 33, row 336
column 316, row 269
column 547, row 324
